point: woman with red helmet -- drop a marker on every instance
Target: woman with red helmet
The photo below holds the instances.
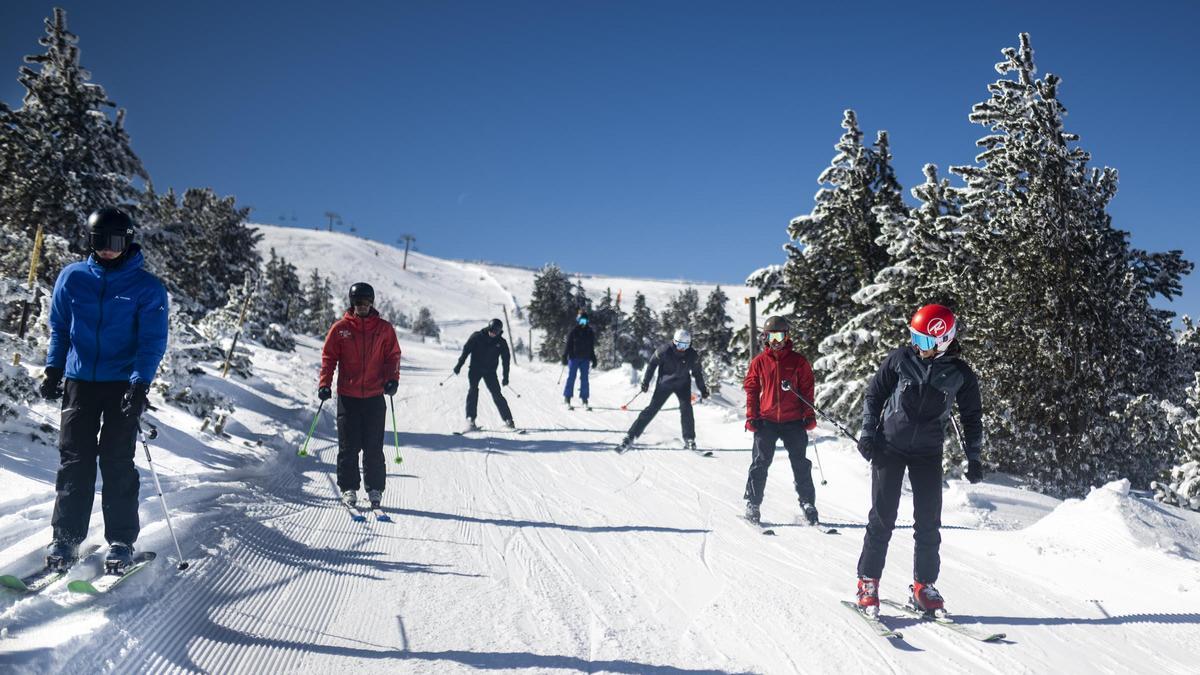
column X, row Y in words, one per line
column 905, row 411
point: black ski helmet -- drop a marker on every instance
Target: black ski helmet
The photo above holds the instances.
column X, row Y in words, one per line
column 496, row 326
column 776, row 323
column 110, row 228
column 361, row 290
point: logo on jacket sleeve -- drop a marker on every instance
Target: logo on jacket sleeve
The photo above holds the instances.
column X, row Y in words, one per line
column 345, row 333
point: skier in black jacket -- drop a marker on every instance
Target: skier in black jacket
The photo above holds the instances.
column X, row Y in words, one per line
column 677, row 363
column 487, row 349
column 905, row 410
column 580, row 352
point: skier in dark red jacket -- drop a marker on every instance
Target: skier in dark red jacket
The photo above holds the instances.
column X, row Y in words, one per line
column 362, row 346
column 774, row 413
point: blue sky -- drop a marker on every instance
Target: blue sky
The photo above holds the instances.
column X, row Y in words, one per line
column 656, row 138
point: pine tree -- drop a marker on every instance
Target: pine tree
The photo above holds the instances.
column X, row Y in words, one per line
column 318, row 313
column 714, row 333
column 424, row 325
column 607, row 319
column 552, row 309
column 643, row 334
column 681, row 312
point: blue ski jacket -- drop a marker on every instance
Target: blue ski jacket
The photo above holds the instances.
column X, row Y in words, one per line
column 108, row 325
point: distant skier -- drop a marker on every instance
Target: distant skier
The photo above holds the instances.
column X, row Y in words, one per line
column 906, row 407
column 108, row 333
column 774, row 414
column 677, row 364
column 363, row 349
column 486, row 349
column 580, row 352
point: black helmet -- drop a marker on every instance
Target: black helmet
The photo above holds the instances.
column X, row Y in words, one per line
column 776, row 323
column 495, row 326
column 361, row 290
column 110, row 229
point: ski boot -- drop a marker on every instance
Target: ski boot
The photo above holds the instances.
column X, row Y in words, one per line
column 118, row 558
column 868, row 596
column 471, row 426
column 60, row 555
column 350, row 498
column 689, row 444
column 510, row 424
column 567, row 400
column 375, row 497
column 925, row 598
column 810, row 513
column 753, row 514
column 624, row 445
column 585, row 404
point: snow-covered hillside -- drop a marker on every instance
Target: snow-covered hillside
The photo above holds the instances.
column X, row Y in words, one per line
column 546, row 552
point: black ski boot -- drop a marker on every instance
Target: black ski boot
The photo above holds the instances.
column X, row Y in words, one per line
column 810, row 513
column 118, row 558
column 60, row 555
column 375, row 497
column 752, row 513
column 624, row 445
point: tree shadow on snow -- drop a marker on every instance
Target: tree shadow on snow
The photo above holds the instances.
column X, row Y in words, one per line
column 501, row 443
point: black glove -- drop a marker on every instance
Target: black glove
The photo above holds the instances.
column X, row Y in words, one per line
column 135, row 403
column 753, row 424
column 390, row 387
column 564, row 360
column 51, row 388
column 504, row 382
column 645, row 387
column 866, row 447
column 324, row 393
column 594, row 363
column 703, row 394
column 974, row 470
column 457, row 368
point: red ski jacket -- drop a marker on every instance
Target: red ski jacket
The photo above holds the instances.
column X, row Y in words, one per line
column 765, row 397
column 365, row 353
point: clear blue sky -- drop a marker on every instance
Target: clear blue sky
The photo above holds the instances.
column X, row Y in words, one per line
column 652, row 138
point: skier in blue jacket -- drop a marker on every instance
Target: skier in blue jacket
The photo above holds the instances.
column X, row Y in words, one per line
column 108, row 333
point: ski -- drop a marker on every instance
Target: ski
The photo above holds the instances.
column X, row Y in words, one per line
column 762, row 529
column 878, row 626
column 380, row 515
column 499, row 431
column 823, row 529
column 700, row 453
column 109, row 580
column 944, row 621
column 40, row 580
column 355, row 514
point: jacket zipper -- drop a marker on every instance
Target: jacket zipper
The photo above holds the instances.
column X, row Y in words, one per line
column 99, row 321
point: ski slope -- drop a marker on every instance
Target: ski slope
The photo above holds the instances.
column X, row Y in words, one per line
column 546, row 552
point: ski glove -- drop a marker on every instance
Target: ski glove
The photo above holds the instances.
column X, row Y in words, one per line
column 324, row 393
column 974, row 470
column 703, row 394
column 594, row 363
column 753, row 424
column 457, row 369
column 135, row 403
column 564, row 359
column 866, row 447
column 810, row 424
column 504, row 383
column 390, row 387
column 645, row 387
column 51, row 388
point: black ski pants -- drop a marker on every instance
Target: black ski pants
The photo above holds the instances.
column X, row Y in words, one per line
column 887, row 477
column 360, row 423
column 493, row 385
column 686, row 419
column 795, row 440
column 94, row 430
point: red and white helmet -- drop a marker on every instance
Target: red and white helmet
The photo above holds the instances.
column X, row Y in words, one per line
column 933, row 326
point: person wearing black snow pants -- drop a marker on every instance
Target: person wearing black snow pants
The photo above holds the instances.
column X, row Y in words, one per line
column 108, row 333
column 906, row 407
column 676, row 364
column 361, row 423
column 487, row 349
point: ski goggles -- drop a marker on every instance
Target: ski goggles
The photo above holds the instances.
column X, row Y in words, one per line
column 776, row 336
column 362, row 302
column 682, row 346
column 110, row 241
column 583, row 321
column 922, row 341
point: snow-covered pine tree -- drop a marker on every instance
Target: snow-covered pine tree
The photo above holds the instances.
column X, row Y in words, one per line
column 425, row 325
column 552, row 310
column 920, row 245
column 681, row 312
column 713, row 334
column 833, row 251
column 317, row 313
column 1073, row 359
column 279, row 299
column 607, row 319
column 642, row 331
column 72, row 155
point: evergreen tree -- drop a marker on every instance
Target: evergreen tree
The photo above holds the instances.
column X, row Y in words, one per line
column 681, row 312
column 425, row 326
column 713, row 336
column 1075, row 362
column 643, row 334
column 318, row 312
column 552, row 309
column 278, row 300
column 607, row 319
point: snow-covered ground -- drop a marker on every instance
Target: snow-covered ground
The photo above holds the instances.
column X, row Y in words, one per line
column 547, row 552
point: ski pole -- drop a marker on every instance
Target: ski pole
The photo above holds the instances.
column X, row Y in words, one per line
column 183, row 564
column 817, row 452
column 510, row 388
column 626, row 406
column 304, row 448
column 787, row 386
column 961, row 446
column 560, row 373
column 447, row 379
column 395, row 433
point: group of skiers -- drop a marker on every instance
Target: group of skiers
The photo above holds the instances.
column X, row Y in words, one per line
column 108, row 333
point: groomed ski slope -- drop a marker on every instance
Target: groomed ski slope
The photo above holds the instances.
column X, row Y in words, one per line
column 547, row 552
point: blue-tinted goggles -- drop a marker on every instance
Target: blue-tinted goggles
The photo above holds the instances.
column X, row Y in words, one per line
column 583, row 321
column 922, row 341
column 776, row 336
column 682, row 346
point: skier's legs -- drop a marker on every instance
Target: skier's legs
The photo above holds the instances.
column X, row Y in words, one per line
column 374, row 419
column 584, row 367
column 760, row 461
column 350, row 442
column 473, row 393
column 656, row 403
column 887, row 475
column 687, row 420
column 795, row 439
column 118, row 444
column 925, row 476
column 493, row 385
column 569, row 389
column 77, row 450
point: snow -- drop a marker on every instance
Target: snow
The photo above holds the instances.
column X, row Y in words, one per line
column 547, row 552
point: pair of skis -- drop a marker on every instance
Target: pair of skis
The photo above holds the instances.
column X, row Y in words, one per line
column 45, row 577
column 623, row 448
column 473, row 430
column 770, row 531
column 358, row 515
column 908, row 610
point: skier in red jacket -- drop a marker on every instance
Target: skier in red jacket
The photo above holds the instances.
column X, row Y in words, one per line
column 773, row 413
column 362, row 346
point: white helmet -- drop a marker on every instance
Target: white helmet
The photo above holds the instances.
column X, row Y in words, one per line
column 683, row 339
